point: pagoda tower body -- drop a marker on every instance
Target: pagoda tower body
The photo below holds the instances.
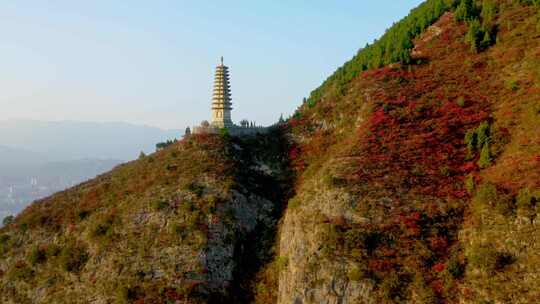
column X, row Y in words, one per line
column 221, row 111
column 221, row 100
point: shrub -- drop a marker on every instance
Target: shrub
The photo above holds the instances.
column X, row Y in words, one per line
column 4, row 239
column 83, row 214
column 474, row 35
column 102, row 229
column 355, row 273
column 53, row 250
column 333, row 181
column 73, row 258
column 165, row 144
column 486, row 40
column 8, row 220
column 485, row 156
column 160, row 205
column 466, row 10
column 470, row 141
column 224, row 134
column 538, row 20
column 526, row 203
column 422, row 292
column 504, row 204
column 282, row 262
column 488, row 196
column 483, row 133
column 21, row 271
column 38, row 255
column 469, row 183
column 455, row 267
column 178, row 229
column 488, row 13
column 487, row 193
column 392, row 287
column 195, row 188
column 129, row 293
column 485, row 198
column 445, row 171
column 461, row 101
column 294, row 202
column 488, row 260
column 4, row 243
column 513, row 85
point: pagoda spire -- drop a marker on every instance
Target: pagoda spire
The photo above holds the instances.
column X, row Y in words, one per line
column 221, row 100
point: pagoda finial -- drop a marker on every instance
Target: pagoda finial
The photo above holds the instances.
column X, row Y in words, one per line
column 221, row 60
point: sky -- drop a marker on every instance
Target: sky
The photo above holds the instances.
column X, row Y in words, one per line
column 152, row 62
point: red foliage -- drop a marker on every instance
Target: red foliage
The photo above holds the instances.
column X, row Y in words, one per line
column 437, row 286
column 380, row 265
column 438, row 244
column 439, row 267
column 408, row 157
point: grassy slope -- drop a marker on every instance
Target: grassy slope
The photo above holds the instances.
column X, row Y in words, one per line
column 123, row 222
column 144, row 231
column 500, row 235
column 395, row 142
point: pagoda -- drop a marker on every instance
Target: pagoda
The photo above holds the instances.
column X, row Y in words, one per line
column 221, row 100
column 222, row 107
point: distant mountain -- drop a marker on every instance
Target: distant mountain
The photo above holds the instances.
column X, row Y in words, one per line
column 21, row 184
column 72, row 140
column 17, row 158
column 38, row 158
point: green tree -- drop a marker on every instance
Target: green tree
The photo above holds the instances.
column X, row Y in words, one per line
column 486, row 41
column 488, row 13
column 485, row 156
column 8, row 220
column 474, row 35
column 394, row 46
column 482, row 134
column 73, row 258
column 466, row 10
column 38, row 255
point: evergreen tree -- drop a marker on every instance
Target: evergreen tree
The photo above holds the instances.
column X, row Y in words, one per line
column 489, row 10
column 471, row 142
column 486, row 41
column 485, row 156
column 394, row 46
column 465, row 11
column 482, row 134
column 8, row 220
column 474, row 34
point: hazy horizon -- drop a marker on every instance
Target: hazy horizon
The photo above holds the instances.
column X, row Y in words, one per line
column 153, row 63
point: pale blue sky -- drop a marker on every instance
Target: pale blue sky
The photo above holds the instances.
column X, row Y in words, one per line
column 152, row 62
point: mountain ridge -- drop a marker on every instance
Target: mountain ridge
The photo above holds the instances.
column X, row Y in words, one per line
column 49, row 138
column 416, row 181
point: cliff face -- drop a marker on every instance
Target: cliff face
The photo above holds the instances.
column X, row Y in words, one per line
column 415, row 182
column 419, row 183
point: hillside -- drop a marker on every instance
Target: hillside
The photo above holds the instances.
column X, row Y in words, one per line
column 418, row 183
column 22, row 183
column 164, row 227
column 412, row 175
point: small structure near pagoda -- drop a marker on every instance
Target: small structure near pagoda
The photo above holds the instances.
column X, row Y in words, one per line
column 222, row 107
